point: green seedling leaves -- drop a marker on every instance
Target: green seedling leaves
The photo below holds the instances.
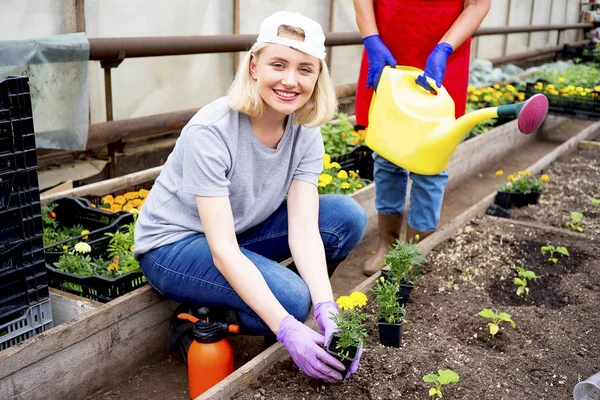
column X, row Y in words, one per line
column 496, row 318
column 562, row 250
column 575, row 223
column 443, row 377
column 595, row 203
column 525, row 276
column 552, row 249
column 487, row 313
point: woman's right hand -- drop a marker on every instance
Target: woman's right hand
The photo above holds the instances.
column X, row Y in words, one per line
column 304, row 346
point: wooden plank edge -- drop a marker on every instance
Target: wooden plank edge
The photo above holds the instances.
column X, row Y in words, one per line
column 541, row 227
column 243, row 377
column 589, row 145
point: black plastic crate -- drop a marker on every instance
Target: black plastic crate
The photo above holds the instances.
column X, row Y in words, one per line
column 20, row 211
column 358, row 159
column 97, row 288
column 16, row 116
column 573, row 106
column 23, row 278
column 71, row 211
column 15, row 96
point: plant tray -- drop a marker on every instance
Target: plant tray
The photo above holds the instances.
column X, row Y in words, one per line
column 36, row 319
column 572, row 106
column 358, row 159
column 16, row 116
column 98, row 288
column 71, row 211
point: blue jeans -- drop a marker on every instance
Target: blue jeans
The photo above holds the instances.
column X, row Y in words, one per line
column 426, row 194
column 184, row 271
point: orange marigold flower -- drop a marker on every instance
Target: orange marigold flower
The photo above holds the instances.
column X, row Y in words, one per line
column 131, row 195
column 143, row 193
column 120, row 200
column 108, row 199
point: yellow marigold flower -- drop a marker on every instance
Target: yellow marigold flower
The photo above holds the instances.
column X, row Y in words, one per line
column 84, row 233
column 120, row 200
column 143, row 193
column 550, row 86
column 116, row 208
column 64, row 248
column 342, row 174
column 345, row 303
column 358, row 298
column 83, row 247
column 496, row 86
column 345, row 185
column 579, row 89
column 335, row 165
column 561, row 79
column 473, row 98
column 521, row 173
column 499, row 172
column 358, row 185
column 583, row 94
column 477, row 92
column 136, row 202
column 527, row 174
column 597, row 88
column 128, row 207
column 470, row 89
column 344, row 135
column 588, row 90
column 511, row 178
column 326, row 159
column 354, row 134
column 353, row 174
column 545, row 178
column 325, row 179
column 108, row 199
column 131, row 195
column 131, row 249
column 487, row 98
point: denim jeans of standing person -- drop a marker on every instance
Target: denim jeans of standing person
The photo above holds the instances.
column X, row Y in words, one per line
column 184, row 271
column 426, row 194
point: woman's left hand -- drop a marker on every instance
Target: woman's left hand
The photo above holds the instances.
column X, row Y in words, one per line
column 323, row 311
column 435, row 68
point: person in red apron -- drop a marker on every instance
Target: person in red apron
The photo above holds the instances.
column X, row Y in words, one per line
column 434, row 36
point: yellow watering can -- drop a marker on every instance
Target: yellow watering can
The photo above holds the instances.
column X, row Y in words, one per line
column 416, row 130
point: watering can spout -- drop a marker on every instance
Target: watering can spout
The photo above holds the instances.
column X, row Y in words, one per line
column 417, row 131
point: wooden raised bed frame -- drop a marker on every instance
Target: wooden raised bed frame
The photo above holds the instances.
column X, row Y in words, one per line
column 99, row 347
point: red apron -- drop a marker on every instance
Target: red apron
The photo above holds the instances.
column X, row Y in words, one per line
column 411, row 29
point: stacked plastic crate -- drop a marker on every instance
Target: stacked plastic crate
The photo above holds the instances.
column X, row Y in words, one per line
column 24, row 298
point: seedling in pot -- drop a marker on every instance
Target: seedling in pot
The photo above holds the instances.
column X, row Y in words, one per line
column 525, row 276
column 496, row 318
column 552, row 249
column 595, row 203
column 403, row 261
column 443, row 377
column 391, row 315
column 351, row 322
column 575, row 223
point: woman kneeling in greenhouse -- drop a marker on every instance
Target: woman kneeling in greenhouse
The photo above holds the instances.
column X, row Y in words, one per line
column 217, row 222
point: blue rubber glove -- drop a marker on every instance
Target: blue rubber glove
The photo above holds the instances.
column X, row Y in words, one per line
column 435, row 68
column 379, row 56
column 304, row 346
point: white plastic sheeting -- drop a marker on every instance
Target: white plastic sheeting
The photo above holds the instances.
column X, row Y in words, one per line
column 58, row 80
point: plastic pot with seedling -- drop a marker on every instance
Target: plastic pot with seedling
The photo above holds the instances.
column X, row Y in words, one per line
column 391, row 316
column 575, row 223
column 521, row 281
column 442, row 378
column 554, row 249
column 497, row 319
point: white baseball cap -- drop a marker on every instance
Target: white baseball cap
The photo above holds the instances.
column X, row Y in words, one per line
column 314, row 39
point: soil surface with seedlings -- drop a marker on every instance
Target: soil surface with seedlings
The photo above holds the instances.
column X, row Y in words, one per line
column 573, row 180
column 554, row 345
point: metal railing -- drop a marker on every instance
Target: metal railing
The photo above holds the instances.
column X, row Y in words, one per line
column 111, row 52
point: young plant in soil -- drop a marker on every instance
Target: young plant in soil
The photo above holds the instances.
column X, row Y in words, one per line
column 575, row 223
column 350, row 320
column 443, row 377
column 497, row 319
column 404, row 260
column 525, row 276
column 595, row 203
column 552, row 249
column 391, row 316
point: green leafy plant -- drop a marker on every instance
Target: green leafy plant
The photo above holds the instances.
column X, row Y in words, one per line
column 595, row 203
column 339, row 137
column 496, row 318
column 522, row 182
column 521, row 281
column 552, row 249
column 575, row 223
column 386, row 295
column 334, row 179
column 53, row 233
column 403, row 260
column 351, row 323
column 443, row 377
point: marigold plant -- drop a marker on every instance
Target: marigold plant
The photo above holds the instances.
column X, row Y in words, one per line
column 523, row 182
column 351, row 323
column 336, row 180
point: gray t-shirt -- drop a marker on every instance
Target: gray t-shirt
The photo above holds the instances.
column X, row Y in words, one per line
column 218, row 154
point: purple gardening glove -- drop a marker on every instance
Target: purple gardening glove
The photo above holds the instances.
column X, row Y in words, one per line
column 379, row 56
column 323, row 311
column 304, row 346
column 435, row 68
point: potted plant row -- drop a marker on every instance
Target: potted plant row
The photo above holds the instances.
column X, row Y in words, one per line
column 520, row 189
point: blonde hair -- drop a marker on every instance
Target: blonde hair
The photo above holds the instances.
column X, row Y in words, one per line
column 244, row 97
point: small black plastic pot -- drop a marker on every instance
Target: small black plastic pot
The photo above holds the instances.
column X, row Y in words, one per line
column 496, row 211
column 390, row 334
column 533, row 197
column 330, row 347
column 520, row 199
column 404, row 293
column 504, row 199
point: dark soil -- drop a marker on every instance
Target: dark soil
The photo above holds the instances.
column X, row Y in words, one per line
column 573, row 180
column 554, row 345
